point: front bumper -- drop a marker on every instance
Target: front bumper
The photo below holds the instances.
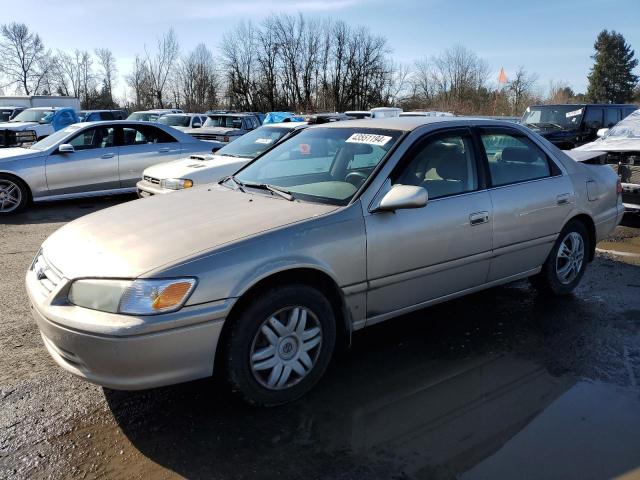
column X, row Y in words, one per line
column 124, row 352
column 148, row 189
column 631, row 197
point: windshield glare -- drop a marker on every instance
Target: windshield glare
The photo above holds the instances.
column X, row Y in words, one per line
column 143, row 116
column 225, row 121
column 175, row 120
column 629, row 127
column 254, row 143
column 34, row 116
column 324, row 165
column 553, row 116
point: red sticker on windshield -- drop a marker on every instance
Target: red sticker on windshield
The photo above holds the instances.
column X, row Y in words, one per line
column 305, row 148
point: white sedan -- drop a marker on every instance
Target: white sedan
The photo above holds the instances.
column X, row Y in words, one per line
column 194, row 170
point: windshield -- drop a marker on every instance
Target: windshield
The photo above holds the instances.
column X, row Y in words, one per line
column 54, row 138
column 254, row 143
column 225, row 121
column 143, row 116
column 30, row 115
column 627, row 128
column 553, row 116
column 175, row 120
column 324, row 165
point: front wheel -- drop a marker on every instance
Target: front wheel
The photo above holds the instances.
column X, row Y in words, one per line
column 280, row 345
column 14, row 195
column 567, row 262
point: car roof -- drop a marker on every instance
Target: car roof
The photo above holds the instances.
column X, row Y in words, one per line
column 231, row 114
column 585, row 105
column 406, row 124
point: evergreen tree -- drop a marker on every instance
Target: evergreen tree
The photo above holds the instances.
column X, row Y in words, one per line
column 612, row 79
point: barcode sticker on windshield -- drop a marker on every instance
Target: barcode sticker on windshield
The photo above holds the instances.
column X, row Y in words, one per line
column 574, row 113
column 368, row 138
column 265, row 141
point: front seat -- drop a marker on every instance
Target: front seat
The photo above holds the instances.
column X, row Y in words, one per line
column 453, row 172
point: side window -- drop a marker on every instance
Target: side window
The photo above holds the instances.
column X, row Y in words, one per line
column 628, row 111
column 612, row 117
column 444, row 166
column 514, row 158
column 593, row 118
column 143, row 135
column 100, row 137
column 106, row 116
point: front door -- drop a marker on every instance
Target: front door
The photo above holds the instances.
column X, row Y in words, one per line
column 418, row 255
column 93, row 166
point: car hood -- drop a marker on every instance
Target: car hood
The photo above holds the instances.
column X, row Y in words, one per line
column 213, row 131
column 14, row 153
column 195, row 166
column 128, row 240
column 17, row 126
column 612, row 144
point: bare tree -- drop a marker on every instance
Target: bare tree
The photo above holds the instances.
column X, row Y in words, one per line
column 139, row 80
column 198, row 80
column 108, row 70
column 22, row 57
column 161, row 64
column 521, row 90
column 239, row 52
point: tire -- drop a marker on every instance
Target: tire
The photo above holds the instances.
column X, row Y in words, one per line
column 14, row 195
column 557, row 275
column 251, row 357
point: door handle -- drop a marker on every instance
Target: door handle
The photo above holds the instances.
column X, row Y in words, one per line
column 478, row 218
column 563, row 198
column 108, row 155
column 164, row 150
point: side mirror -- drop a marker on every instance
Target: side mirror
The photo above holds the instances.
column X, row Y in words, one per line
column 402, row 197
column 66, row 148
column 602, row 132
column 196, row 125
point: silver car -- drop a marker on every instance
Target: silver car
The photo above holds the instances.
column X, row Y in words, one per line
column 88, row 159
column 338, row 228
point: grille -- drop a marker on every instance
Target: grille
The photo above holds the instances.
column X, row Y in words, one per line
column 155, row 181
column 206, row 136
column 48, row 276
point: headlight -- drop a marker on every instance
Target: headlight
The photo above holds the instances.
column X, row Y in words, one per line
column 176, row 183
column 134, row 297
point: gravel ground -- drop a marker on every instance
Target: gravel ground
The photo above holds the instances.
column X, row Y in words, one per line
column 503, row 383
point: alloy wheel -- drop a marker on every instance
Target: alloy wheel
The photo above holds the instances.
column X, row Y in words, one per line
column 570, row 258
column 10, row 196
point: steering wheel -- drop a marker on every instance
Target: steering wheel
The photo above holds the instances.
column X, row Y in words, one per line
column 356, row 178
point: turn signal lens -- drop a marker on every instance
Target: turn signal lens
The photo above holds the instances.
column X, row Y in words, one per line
column 225, row 139
column 171, row 296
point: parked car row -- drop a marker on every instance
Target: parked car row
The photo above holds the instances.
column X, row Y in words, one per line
column 263, row 274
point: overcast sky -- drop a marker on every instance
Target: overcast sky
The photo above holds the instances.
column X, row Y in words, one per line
column 553, row 38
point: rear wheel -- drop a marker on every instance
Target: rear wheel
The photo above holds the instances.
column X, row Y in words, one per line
column 567, row 262
column 14, row 195
column 280, row 345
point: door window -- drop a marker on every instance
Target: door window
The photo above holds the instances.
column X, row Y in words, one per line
column 612, row 117
column 145, row 134
column 100, row 137
column 593, row 118
column 444, row 166
column 514, row 158
column 106, row 116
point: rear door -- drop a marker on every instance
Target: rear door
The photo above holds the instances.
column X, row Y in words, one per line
column 140, row 147
column 93, row 166
column 531, row 200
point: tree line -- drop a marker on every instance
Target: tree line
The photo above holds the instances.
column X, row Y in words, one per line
column 290, row 62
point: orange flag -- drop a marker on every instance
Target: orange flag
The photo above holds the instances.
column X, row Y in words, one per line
column 502, row 78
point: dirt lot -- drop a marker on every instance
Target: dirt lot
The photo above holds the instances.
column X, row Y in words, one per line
column 505, row 383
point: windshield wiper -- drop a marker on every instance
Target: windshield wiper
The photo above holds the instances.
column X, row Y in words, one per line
column 286, row 194
column 238, row 184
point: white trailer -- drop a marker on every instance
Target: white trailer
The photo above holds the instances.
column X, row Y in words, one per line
column 32, row 101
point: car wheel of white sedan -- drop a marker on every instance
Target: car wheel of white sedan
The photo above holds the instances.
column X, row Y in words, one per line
column 280, row 344
column 567, row 261
column 13, row 195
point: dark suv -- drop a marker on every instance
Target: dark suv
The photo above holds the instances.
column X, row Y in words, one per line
column 569, row 126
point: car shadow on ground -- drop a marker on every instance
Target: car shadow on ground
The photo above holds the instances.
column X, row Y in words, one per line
column 63, row 211
column 429, row 394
